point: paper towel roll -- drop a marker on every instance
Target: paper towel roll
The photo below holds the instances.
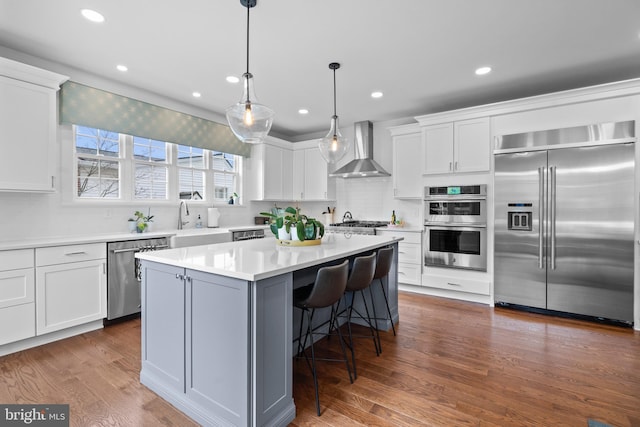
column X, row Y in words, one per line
column 212, row 217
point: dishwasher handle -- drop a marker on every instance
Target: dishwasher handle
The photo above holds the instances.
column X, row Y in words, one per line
column 119, row 251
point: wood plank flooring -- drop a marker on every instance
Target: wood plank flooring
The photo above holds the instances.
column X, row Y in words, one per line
column 452, row 364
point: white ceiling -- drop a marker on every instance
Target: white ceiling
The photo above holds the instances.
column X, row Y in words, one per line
column 421, row 53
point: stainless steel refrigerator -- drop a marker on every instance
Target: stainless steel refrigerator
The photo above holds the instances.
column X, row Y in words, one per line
column 564, row 220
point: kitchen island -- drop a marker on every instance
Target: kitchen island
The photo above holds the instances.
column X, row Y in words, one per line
column 217, row 323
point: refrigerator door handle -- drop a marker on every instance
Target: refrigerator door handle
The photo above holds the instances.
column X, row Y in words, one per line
column 552, row 216
column 541, row 174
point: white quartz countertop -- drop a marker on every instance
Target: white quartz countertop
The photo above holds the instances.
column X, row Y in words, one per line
column 262, row 258
column 116, row 237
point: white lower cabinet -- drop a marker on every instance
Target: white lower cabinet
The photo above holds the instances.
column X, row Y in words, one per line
column 409, row 255
column 462, row 282
column 71, row 286
column 17, row 303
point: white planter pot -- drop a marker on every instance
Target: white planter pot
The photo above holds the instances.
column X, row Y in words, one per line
column 283, row 234
column 294, row 234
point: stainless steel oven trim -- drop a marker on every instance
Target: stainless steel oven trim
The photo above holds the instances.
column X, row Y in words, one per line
column 476, row 220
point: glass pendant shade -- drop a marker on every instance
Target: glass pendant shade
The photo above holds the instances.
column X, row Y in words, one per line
column 249, row 120
column 334, row 146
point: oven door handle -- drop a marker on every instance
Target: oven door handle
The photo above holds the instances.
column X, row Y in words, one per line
column 455, row 224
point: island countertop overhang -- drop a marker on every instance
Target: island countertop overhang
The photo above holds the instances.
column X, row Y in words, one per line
column 258, row 259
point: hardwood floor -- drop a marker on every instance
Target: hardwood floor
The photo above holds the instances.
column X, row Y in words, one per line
column 451, row 364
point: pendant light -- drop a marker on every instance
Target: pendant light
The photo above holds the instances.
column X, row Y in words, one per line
column 249, row 120
column 334, row 146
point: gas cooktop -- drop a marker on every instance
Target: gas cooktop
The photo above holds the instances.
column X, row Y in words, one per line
column 355, row 223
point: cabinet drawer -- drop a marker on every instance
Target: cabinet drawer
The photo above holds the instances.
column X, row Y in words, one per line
column 70, row 253
column 409, row 273
column 409, row 236
column 474, row 286
column 15, row 259
column 409, row 252
column 17, row 323
column 16, row 287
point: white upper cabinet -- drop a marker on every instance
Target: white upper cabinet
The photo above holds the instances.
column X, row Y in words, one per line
column 27, row 127
column 282, row 174
column 462, row 146
column 407, row 162
column 310, row 175
column 271, row 172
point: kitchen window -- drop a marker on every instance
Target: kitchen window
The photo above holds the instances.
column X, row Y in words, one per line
column 191, row 167
column 225, row 169
column 113, row 166
column 98, row 163
column 151, row 169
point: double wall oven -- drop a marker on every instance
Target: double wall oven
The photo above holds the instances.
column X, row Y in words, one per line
column 456, row 227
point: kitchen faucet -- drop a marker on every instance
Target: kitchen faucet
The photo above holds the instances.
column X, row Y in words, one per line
column 347, row 215
column 182, row 223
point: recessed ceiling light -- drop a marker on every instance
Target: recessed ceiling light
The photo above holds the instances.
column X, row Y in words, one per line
column 483, row 70
column 92, row 15
column 122, row 68
column 233, row 79
column 196, row 94
column 303, row 111
column 376, row 94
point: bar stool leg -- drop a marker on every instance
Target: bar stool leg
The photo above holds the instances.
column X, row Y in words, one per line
column 386, row 301
column 374, row 331
column 344, row 351
column 313, row 360
column 375, row 316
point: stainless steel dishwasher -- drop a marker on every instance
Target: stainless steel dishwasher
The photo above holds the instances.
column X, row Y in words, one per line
column 123, row 275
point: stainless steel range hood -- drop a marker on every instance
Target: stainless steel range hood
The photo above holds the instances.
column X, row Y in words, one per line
column 363, row 165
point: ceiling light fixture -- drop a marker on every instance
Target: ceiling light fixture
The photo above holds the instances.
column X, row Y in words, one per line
column 122, row 68
column 334, row 146
column 196, row 94
column 483, row 70
column 249, row 121
column 303, row 111
column 92, row 15
column 376, row 94
column 232, row 79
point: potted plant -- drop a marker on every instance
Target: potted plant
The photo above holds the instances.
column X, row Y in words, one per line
column 132, row 225
column 291, row 221
column 277, row 224
column 142, row 221
column 234, row 199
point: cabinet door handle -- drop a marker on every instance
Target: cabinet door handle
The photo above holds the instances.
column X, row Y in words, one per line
column 450, row 165
column 455, row 166
column 453, row 284
column 75, row 253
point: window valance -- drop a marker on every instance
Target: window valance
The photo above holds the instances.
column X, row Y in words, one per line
column 88, row 106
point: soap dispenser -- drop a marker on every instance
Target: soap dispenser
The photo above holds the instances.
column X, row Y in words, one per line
column 199, row 222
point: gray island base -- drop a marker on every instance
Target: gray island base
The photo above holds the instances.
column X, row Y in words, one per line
column 217, row 324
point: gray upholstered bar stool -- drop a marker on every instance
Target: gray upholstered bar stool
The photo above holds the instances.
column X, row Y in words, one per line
column 326, row 291
column 360, row 277
column 383, row 266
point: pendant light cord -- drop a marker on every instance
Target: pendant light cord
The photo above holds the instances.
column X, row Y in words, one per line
column 334, row 93
column 248, row 8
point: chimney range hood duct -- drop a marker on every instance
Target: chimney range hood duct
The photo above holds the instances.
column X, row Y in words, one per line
column 363, row 165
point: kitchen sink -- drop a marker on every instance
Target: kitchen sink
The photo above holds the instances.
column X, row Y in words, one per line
column 199, row 236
